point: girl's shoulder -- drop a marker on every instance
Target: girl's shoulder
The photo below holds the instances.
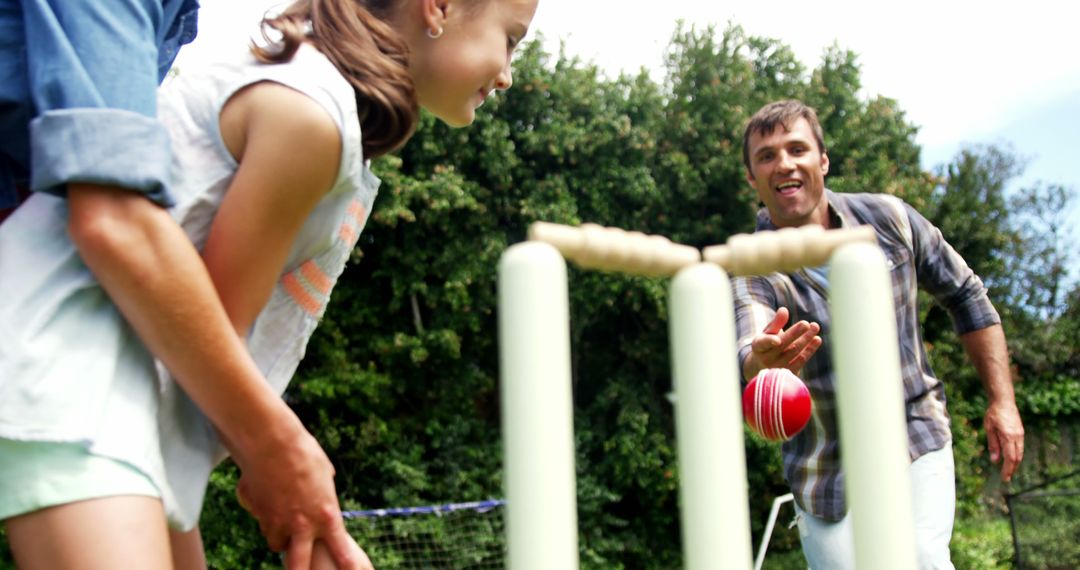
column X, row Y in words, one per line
column 309, row 72
column 306, row 93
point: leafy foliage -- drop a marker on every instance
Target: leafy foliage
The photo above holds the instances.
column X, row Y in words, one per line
column 400, row 381
column 982, row 542
column 569, row 145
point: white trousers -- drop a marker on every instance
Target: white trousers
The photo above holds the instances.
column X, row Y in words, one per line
column 829, row 546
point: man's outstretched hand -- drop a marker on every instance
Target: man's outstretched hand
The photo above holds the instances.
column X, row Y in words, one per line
column 778, row 348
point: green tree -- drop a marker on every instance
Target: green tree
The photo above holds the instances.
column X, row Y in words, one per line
column 1018, row 244
column 871, row 145
column 400, row 381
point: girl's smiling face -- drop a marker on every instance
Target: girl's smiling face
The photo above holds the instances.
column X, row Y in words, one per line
column 470, row 58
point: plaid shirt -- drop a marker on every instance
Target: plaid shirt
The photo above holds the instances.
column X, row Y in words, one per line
column 918, row 256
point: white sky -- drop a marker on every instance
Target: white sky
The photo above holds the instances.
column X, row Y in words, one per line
column 959, row 68
column 964, row 71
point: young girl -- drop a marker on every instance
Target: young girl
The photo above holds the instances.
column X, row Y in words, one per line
column 99, row 444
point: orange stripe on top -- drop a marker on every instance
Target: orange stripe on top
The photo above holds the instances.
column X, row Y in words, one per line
column 356, row 210
column 316, row 277
column 347, row 233
column 296, row 290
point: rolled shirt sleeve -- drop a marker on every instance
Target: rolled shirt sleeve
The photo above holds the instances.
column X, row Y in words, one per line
column 755, row 306
column 943, row 273
column 100, row 146
column 92, row 70
column 15, row 107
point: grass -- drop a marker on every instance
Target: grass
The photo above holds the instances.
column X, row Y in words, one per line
column 977, row 544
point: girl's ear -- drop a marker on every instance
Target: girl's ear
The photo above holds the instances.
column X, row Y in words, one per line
column 434, row 14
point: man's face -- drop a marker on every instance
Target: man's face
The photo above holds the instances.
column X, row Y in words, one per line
column 787, row 168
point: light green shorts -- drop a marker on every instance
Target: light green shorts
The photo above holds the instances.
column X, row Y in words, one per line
column 35, row 475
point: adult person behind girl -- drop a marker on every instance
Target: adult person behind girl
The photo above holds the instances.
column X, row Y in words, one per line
column 78, row 71
column 78, row 118
column 272, row 186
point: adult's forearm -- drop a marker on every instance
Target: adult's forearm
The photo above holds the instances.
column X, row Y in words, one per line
column 990, row 354
column 1004, row 428
column 156, row 278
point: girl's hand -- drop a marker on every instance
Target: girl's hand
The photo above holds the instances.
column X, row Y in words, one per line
column 287, row 483
column 321, row 559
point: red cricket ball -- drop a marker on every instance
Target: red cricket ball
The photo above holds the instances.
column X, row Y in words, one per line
column 776, row 404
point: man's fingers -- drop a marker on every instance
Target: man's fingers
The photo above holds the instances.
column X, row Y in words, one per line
column 790, row 349
column 994, row 445
column 1013, row 456
column 777, row 347
column 796, row 363
column 1008, row 467
column 801, row 331
column 795, row 339
column 778, row 322
column 797, row 345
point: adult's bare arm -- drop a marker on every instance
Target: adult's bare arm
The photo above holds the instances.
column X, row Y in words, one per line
column 161, row 285
column 154, row 275
column 1004, row 430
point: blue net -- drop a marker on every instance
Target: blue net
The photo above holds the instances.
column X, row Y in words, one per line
column 457, row 536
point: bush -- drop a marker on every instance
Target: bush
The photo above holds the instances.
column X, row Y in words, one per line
column 982, row 544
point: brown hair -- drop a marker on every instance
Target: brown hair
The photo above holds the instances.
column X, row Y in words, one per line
column 355, row 36
column 780, row 113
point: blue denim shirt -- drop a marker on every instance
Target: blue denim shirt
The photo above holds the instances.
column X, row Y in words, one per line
column 78, row 101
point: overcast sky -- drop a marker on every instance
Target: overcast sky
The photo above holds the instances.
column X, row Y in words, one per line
column 957, row 66
column 964, row 71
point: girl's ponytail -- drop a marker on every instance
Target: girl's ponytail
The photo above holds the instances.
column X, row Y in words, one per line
column 367, row 51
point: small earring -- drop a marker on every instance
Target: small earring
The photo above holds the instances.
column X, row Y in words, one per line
column 434, row 33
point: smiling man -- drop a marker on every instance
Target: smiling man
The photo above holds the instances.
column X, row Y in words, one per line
column 786, row 162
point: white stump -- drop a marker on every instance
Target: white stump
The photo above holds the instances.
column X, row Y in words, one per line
column 870, row 399
column 537, row 411
column 708, row 421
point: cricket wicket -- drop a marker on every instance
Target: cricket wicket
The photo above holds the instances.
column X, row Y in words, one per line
column 536, row 396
